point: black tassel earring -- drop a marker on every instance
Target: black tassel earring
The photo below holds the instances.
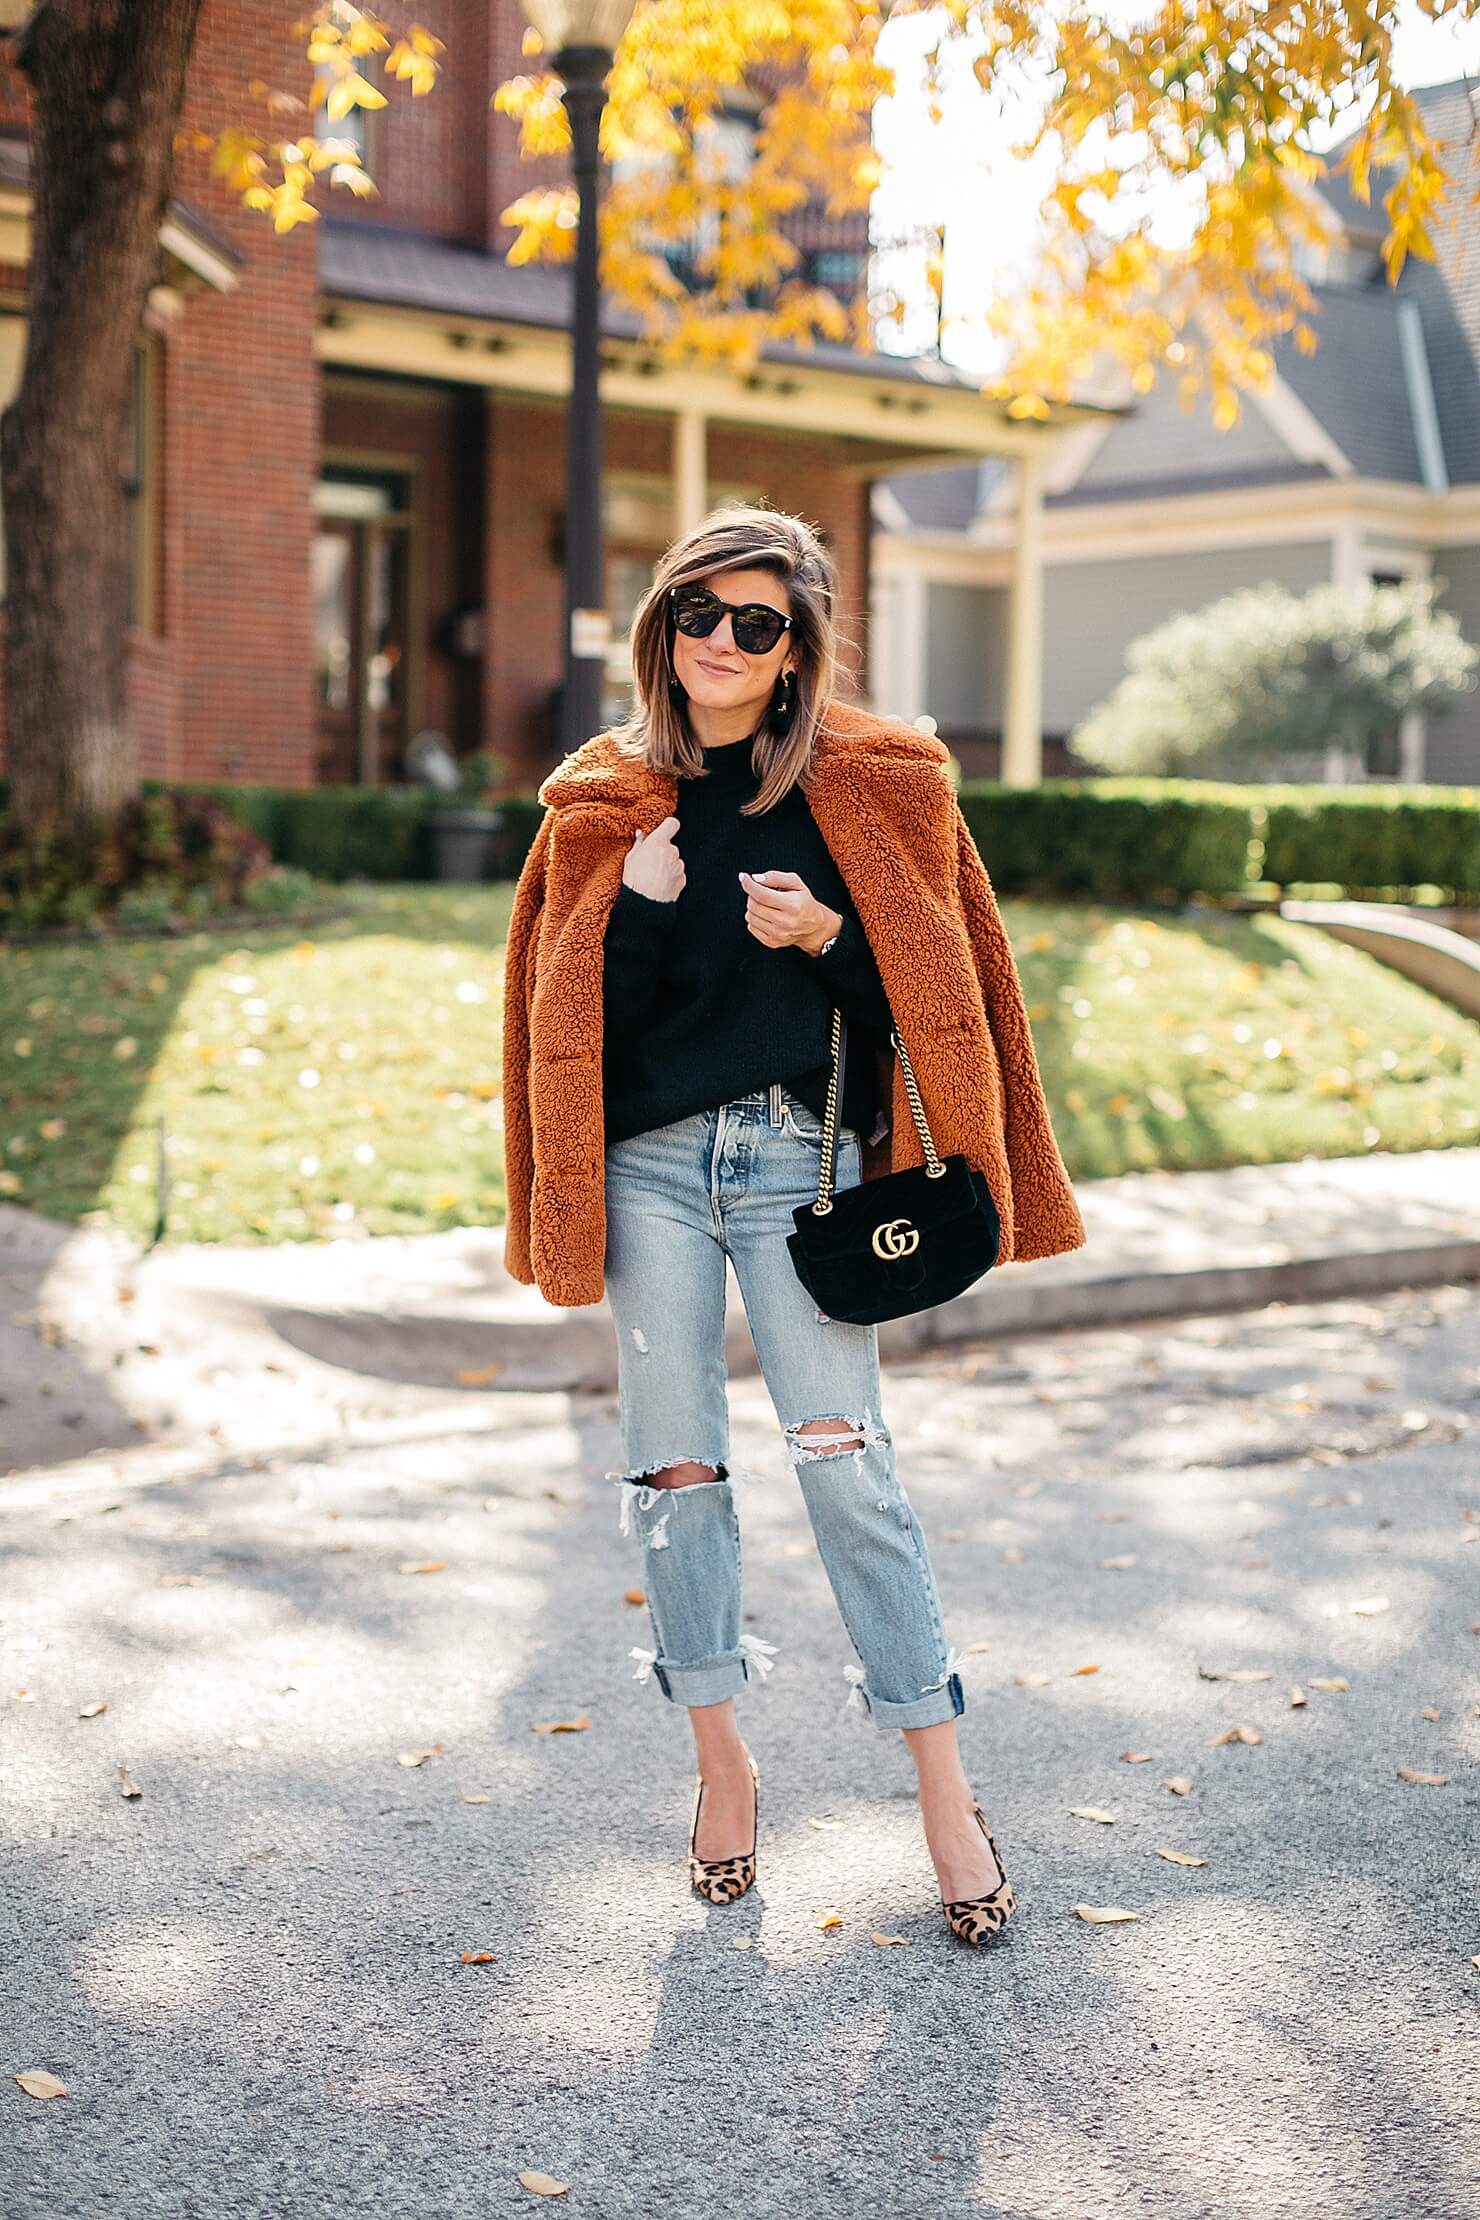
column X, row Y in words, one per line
column 784, row 705
column 675, row 690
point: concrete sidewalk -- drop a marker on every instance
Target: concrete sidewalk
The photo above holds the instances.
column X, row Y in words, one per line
column 100, row 1347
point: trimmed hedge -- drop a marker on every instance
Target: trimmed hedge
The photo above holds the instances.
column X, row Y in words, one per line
column 1107, row 839
column 1140, row 839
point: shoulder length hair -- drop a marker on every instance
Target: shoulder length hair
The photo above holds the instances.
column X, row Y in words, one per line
column 736, row 537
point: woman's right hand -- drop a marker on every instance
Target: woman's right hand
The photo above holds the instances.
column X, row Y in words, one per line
column 653, row 866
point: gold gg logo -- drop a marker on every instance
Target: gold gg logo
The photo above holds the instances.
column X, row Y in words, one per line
column 889, row 1241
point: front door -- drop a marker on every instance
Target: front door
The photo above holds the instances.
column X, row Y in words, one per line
column 361, row 568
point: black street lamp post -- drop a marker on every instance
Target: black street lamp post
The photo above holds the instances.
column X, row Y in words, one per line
column 582, row 70
column 580, row 36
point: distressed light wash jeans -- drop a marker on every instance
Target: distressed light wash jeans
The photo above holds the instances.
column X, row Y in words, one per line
column 679, row 1200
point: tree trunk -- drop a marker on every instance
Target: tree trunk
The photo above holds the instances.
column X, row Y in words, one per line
column 108, row 78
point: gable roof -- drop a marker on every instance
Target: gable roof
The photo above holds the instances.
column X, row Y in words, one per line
column 1394, row 382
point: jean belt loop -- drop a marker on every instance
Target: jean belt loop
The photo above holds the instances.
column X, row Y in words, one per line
column 775, row 1102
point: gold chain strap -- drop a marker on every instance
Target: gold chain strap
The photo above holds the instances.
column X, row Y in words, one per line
column 934, row 1168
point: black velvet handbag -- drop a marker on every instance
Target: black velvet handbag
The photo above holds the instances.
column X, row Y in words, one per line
column 899, row 1243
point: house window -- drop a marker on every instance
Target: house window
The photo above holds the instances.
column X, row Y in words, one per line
column 840, row 269
column 361, row 127
column 724, row 149
column 141, row 488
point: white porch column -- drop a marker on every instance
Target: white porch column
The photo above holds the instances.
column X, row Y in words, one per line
column 690, row 470
column 1022, row 719
column 1412, row 748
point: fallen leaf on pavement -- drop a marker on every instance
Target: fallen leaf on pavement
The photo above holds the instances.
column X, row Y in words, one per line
column 476, row 1958
column 1031, row 1680
column 477, row 1799
column 560, row 1726
column 974, row 1649
column 1178, row 1857
column 1422, row 1780
column 1236, row 1734
column 634, row 1595
column 1102, row 1915
column 417, row 1757
column 430, row 1564
column 883, row 1940
column 1299, row 1700
column 1136, row 1757
column 1430, row 1713
column 830, row 1919
column 1117, row 1564
column 745, row 1942
column 1242, row 1672
column 1333, row 1685
column 250, row 1742
column 1092, row 1811
column 824, row 1826
column 543, row 2185
column 37, row 2082
column 1079, row 1670
column 127, row 1785
column 91, row 1711
column 1368, row 1607
column 182, row 1580
column 1014, row 1556
column 481, row 1377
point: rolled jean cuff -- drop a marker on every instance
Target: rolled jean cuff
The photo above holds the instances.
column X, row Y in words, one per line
column 930, row 1710
column 711, row 1681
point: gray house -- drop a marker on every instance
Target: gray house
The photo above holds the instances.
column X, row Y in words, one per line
column 1361, row 461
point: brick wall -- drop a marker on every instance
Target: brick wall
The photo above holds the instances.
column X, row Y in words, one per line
column 526, row 589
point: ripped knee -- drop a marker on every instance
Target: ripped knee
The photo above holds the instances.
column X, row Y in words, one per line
column 825, row 1437
column 684, row 1475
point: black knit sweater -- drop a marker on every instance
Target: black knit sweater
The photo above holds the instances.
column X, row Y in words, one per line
column 697, row 1010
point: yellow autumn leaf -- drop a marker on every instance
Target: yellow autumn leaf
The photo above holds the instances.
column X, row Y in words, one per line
column 476, row 1958
column 1178, row 1857
column 829, row 1920
column 1103, row 1915
column 351, row 91
column 884, row 1940
column 1335, row 1685
column 543, row 2185
column 1422, row 1780
column 560, row 1726
column 423, row 1565
column 1092, row 1811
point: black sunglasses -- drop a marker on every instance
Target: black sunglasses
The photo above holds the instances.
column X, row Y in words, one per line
column 755, row 624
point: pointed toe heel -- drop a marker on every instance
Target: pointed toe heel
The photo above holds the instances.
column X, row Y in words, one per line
column 721, row 1880
column 976, row 1919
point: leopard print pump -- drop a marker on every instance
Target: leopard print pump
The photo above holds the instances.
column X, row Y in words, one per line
column 974, row 1919
column 721, row 1880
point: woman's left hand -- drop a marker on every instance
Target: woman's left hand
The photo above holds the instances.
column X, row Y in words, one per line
column 782, row 911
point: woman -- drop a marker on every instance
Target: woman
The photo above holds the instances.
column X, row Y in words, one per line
column 710, row 880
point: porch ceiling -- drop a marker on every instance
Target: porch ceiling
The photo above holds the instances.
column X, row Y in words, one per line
column 424, row 307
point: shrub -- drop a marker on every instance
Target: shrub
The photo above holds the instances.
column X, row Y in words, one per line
column 165, row 844
column 281, row 891
column 1264, row 674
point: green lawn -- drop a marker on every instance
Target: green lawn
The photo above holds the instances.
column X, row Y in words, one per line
column 350, row 1079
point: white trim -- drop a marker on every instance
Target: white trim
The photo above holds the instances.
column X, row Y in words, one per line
column 1426, row 436
column 1368, row 509
column 1292, row 422
column 198, row 256
column 533, row 360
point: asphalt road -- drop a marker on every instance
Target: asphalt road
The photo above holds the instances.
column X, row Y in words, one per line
column 249, row 1977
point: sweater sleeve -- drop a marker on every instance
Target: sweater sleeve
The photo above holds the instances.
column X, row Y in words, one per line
column 851, row 976
column 636, row 929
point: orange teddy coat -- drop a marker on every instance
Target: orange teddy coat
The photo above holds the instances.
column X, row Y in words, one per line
column 886, row 807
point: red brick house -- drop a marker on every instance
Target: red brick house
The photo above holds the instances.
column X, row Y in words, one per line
column 349, row 441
